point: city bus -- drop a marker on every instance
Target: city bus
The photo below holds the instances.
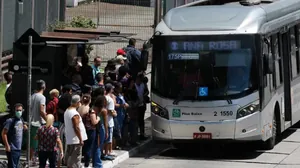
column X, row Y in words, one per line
column 227, row 72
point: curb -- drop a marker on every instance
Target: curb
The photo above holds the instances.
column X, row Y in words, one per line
column 126, row 155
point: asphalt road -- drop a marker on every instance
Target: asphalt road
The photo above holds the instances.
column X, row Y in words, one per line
column 285, row 155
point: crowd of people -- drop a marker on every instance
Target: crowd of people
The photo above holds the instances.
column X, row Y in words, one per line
column 97, row 117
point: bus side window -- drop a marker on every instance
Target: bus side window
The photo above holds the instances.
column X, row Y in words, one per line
column 277, row 75
column 297, row 35
column 267, row 50
column 294, row 62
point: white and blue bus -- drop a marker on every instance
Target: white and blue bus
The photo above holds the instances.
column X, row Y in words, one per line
column 226, row 72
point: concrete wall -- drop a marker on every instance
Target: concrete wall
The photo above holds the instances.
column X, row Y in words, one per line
column 15, row 23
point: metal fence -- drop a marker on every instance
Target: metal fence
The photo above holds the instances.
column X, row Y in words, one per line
column 17, row 16
column 127, row 16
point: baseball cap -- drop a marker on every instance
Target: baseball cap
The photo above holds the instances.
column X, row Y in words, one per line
column 121, row 52
column 121, row 57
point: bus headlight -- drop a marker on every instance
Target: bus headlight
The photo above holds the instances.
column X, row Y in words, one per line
column 160, row 111
column 247, row 110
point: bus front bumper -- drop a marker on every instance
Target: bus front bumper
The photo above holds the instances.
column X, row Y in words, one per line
column 243, row 129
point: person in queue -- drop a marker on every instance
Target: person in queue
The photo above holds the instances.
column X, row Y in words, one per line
column 48, row 138
column 38, row 110
column 75, row 134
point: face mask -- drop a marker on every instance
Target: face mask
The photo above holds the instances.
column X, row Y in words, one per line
column 18, row 114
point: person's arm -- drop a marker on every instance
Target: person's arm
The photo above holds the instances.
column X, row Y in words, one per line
column 42, row 108
column 4, row 135
column 75, row 121
column 104, row 115
column 58, row 141
column 94, row 118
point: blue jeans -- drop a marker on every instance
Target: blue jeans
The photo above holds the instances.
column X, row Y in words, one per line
column 88, row 146
column 97, row 162
column 13, row 158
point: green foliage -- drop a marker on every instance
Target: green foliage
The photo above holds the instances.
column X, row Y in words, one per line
column 2, row 97
column 76, row 22
column 57, row 25
column 82, row 22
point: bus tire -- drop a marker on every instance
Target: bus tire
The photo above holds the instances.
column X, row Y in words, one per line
column 271, row 142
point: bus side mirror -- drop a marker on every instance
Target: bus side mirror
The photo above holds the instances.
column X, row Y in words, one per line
column 268, row 64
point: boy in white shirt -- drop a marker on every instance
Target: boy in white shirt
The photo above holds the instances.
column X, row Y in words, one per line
column 111, row 113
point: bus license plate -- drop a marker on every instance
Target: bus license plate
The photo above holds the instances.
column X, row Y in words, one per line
column 202, row 136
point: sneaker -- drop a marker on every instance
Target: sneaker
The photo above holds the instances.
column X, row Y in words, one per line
column 107, row 157
column 112, row 154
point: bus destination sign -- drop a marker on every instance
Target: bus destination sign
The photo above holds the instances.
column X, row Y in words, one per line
column 196, row 46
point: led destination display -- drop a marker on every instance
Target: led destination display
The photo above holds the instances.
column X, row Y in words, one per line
column 196, row 46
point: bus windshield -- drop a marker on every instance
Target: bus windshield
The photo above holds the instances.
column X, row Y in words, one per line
column 204, row 69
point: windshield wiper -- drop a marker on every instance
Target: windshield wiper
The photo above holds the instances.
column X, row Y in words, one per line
column 217, row 82
column 227, row 97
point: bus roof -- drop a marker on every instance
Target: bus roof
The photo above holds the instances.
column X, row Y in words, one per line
column 232, row 18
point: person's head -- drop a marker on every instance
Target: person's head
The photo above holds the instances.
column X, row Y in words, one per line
column 67, row 89
column 97, row 61
column 19, row 110
column 75, row 101
column 85, row 60
column 40, row 85
column 98, row 92
column 87, row 89
column 54, row 93
column 132, row 42
column 109, row 88
column 118, row 88
column 123, row 71
column 111, row 65
column 86, row 99
column 99, row 77
column 8, row 77
column 121, row 52
column 77, row 79
column 49, row 120
column 121, row 59
column 100, row 103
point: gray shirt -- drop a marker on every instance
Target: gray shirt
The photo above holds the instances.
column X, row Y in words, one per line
column 37, row 100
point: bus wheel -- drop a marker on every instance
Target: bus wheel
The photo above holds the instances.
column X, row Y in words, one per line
column 271, row 142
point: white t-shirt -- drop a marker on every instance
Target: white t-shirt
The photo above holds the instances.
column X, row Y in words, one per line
column 110, row 106
column 71, row 136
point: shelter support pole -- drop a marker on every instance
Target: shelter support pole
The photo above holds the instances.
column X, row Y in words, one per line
column 157, row 14
column 1, row 34
column 29, row 96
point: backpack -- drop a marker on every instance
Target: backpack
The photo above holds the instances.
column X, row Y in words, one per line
column 11, row 131
column 134, row 62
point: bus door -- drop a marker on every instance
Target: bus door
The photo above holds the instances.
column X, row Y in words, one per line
column 284, row 44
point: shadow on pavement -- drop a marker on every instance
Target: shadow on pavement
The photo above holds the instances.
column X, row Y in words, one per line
column 219, row 151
